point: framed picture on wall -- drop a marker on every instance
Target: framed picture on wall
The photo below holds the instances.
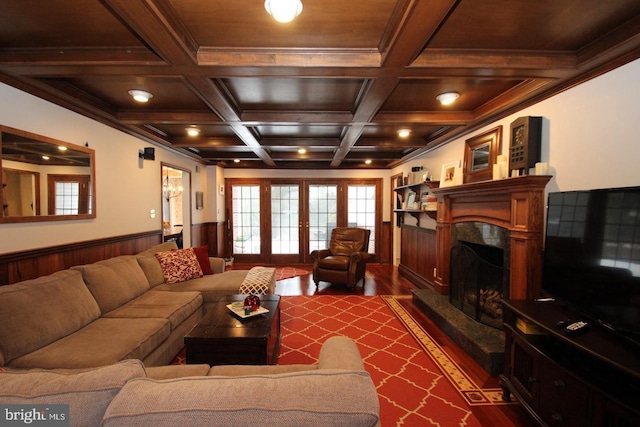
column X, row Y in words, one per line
column 451, row 174
column 199, row 200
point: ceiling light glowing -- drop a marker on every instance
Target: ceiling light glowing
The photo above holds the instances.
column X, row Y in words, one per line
column 193, row 131
column 45, row 157
column 62, row 148
column 403, row 133
column 140, row 95
column 302, row 150
column 283, row 10
column 447, row 97
column 236, row 160
column 367, row 162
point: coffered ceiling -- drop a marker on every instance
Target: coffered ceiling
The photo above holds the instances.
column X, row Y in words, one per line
column 339, row 80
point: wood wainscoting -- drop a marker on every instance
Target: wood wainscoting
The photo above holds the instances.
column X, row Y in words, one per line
column 32, row 263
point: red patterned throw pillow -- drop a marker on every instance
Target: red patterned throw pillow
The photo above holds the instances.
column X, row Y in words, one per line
column 178, row 266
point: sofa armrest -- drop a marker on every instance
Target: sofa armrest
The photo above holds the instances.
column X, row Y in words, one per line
column 340, row 352
column 217, row 264
column 311, row 398
column 176, row 371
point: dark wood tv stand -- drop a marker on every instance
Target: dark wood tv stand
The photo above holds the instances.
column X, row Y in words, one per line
column 592, row 379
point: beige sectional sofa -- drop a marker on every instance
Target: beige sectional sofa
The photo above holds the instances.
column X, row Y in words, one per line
column 101, row 313
column 336, row 391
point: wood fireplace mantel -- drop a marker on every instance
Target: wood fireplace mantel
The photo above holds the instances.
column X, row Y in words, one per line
column 516, row 204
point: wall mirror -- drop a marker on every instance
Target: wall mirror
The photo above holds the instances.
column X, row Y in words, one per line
column 44, row 179
column 480, row 155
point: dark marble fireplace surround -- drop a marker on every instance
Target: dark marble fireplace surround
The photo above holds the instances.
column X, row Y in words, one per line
column 516, row 207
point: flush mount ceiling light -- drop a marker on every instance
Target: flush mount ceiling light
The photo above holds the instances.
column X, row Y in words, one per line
column 302, row 150
column 403, row 133
column 140, row 95
column 367, row 162
column 447, row 97
column 283, row 10
column 193, row 131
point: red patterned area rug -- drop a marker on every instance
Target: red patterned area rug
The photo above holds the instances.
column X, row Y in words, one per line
column 418, row 384
column 289, row 272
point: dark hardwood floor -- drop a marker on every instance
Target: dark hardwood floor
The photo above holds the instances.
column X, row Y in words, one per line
column 384, row 279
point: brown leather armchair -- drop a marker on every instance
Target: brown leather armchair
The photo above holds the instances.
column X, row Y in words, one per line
column 345, row 260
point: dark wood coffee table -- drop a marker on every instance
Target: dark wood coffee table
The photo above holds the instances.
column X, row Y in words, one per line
column 222, row 338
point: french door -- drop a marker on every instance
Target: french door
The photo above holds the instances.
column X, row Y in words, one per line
column 282, row 221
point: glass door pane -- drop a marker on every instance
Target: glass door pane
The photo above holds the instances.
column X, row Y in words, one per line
column 323, row 214
column 285, row 219
column 362, row 210
column 245, row 205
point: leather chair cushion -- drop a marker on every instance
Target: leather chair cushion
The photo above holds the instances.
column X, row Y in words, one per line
column 345, row 241
column 334, row 263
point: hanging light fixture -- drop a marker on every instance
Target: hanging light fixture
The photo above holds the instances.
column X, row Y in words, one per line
column 283, row 10
column 447, row 97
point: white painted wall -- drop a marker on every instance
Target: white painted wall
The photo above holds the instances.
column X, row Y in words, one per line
column 127, row 187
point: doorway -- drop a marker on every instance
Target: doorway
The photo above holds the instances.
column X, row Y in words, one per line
column 176, row 205
column 282, row 221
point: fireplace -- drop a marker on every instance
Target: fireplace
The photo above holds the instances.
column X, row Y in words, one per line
column 516, row 206
column 479, row 272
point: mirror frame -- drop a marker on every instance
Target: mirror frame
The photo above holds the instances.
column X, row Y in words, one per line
column 492, row 138
column 42, row 218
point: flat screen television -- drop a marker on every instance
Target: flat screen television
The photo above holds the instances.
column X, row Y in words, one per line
column 592, row 255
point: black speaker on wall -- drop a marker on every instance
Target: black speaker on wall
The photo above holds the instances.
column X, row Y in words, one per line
column 149, row 153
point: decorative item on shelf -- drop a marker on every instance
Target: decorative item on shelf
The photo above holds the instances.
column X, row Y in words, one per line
column 411, row 198
column 451, row 174
column 426, row 177
column 416, row 175
column 480, row 154
column 524, row 149
column 501, row 168
column 428, row 202
column 541, row 168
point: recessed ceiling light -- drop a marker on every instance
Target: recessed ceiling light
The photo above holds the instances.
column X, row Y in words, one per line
column 62, row 148
column 283, row 10
column 367, row 162
column 403, row 133
column 302, row 150
column 236, row 160
column 45, row 157
column 447, row 97
column 140, row 95
column 193, row 131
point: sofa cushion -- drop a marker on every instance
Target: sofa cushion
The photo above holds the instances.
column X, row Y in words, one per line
column 38, row 312
column 202, row 254
column 173, row 306
column 211, row 287
column 179, row 265
column 114, row 281
column 87, row 392
column 102, row 342
column 318, row 398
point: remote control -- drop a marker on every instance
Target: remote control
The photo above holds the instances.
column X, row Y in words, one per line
column 576, row 328
column 563, row 323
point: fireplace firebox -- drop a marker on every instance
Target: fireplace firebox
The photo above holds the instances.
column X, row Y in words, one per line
column 479, row 278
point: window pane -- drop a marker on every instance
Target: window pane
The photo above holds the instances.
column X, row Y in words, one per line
column 322, row 214
column 284, row 219
column 245, row 201
column 362, row 212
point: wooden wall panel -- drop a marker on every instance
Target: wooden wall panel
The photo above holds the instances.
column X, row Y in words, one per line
column 418, row 255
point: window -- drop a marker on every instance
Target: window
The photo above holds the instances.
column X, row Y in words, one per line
column 69, row 194
column 245, row 201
